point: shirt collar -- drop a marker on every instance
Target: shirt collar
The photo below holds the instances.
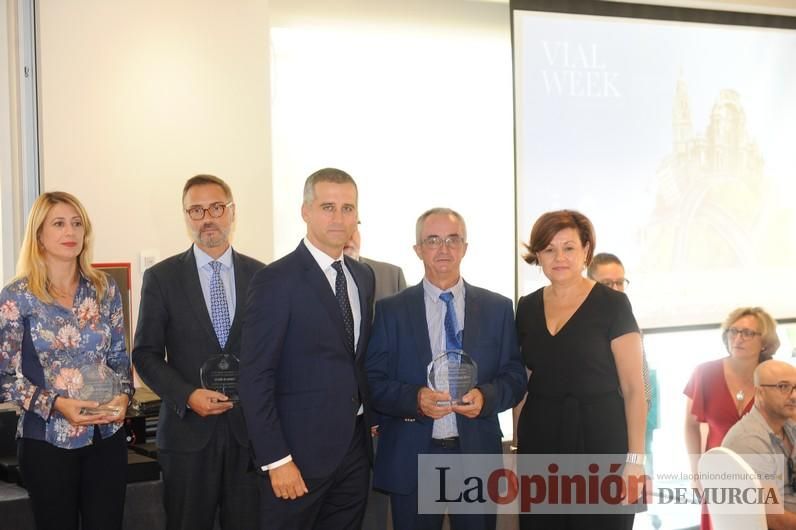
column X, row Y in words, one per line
column 83, row 282
column 789, row 428
column 323, row 259
column 433, row 292
column 203, row 258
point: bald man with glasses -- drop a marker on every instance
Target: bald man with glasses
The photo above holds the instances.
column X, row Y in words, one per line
column 769, row 429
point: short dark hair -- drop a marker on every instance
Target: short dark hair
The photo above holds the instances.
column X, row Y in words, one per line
column 327, row 174
column 549, row 224
column 200, row 180
column 603, row 258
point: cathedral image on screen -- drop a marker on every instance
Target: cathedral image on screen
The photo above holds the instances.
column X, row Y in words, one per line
column 713, row 206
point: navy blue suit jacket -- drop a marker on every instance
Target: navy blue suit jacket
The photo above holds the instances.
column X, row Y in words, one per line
column 398, row 356
column 300, row 385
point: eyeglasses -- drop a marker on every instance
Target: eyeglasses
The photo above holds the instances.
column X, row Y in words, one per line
column 616, row 284
column 197, row 213
column 744, row 332
column 434, row 242
column 784, row 387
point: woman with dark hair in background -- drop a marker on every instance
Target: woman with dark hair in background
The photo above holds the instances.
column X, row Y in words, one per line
column 58, row 316
column 721, row 391
column 582, row 345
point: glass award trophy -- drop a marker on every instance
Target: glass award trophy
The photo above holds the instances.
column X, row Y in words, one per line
column 454, row 372
column 97, row 382
column 221, row 373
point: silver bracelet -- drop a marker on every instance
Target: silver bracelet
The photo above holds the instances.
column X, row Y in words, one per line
column 635, row 458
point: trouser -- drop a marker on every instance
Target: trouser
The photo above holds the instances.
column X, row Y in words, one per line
column 88, row 483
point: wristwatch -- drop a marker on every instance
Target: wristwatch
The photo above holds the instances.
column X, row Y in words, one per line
column 635, row 458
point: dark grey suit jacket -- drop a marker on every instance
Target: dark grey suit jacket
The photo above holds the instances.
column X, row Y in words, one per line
column 173, row 320
column 389, row 278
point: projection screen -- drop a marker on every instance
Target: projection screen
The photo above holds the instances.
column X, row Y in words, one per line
column 677, row 138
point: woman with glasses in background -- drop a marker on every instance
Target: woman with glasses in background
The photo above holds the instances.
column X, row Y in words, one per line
column 721, row 391
column 60, row 323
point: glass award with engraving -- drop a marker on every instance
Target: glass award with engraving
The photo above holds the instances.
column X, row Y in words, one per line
column 454, row 372
column 221, row 373
column 97, row 382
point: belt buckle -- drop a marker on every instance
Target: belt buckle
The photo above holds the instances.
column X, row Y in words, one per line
column 446, row 443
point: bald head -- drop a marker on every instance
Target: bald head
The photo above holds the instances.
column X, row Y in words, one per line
column 774, row 371
column 775, row 404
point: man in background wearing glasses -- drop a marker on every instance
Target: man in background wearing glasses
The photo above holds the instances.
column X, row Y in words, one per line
column 389, row 278
column 769, row 429
column 389, row 281
column 608, row 270
column 412, row 328
column 191, row 311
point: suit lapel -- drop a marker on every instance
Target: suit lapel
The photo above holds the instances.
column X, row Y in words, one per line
column 320, row 284
column 357, row 273
column 417, row 318
column 472, row 319
column 241, row 282
column 193, row 293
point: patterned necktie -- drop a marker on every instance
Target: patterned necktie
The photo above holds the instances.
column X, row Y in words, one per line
column 219, row 311
column 341, row 293
column 453, row 339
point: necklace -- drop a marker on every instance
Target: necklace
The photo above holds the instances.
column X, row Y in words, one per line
column 740, row 395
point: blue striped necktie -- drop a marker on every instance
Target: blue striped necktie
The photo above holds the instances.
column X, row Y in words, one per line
column 446, row 426
column 453, row 338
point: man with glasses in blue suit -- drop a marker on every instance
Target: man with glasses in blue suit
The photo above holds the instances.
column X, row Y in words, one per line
column 441, row 313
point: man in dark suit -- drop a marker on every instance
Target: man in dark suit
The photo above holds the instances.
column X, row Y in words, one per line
column 389, row 278
column 441, row 313
column 191, row 311
column 389, row 281
column 303, row 385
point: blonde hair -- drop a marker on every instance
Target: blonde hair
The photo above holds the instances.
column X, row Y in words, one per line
column 768, row 329
column 32, row 265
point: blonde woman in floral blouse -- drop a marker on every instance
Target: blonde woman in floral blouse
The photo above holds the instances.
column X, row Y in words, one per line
column 57, row 316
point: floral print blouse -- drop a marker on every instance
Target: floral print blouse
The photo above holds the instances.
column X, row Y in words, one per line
column 63, row 341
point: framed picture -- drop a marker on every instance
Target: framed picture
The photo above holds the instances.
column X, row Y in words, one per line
column 122, row 274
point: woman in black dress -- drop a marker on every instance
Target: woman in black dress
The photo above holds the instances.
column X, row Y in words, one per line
column 581, row 343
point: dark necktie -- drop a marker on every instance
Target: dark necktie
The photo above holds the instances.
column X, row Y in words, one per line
column 341, row 293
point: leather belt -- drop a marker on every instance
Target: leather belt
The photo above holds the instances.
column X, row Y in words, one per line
column 446, row 443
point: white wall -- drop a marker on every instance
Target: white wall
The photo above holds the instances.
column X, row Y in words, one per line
column 414, row 99
column 136, row 96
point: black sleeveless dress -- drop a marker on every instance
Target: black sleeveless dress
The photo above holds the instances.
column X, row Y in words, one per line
column 574, row 404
